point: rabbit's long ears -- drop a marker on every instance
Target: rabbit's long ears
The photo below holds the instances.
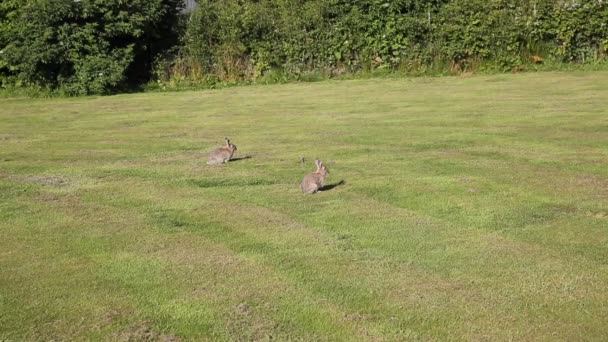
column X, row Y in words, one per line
column 319, row 164
column 227, row 142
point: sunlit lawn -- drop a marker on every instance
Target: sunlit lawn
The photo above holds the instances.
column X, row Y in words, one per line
column 458, row 209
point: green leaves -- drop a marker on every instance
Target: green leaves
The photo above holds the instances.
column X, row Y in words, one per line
column 580, row 30
column 87, row 47
column 300, row 36
column 66, row 43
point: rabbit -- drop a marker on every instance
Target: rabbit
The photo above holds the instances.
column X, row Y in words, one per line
column 312, row 182
column 222, row 154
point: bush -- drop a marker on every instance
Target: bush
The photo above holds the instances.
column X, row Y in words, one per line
column 239, row 39
column 101, row 46
column 580, row 30
column 85, row 47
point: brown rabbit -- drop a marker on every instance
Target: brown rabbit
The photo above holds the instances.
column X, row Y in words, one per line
column 222, row 154
column 315, row 181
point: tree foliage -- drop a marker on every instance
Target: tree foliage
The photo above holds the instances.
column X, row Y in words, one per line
column 100, row 46
column 85, row 46
column 299, row 35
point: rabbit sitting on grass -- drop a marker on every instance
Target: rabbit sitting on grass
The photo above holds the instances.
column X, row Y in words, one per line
column 222, row 154
column 312, row 182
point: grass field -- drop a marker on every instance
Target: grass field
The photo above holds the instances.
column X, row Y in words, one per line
column 463, row 209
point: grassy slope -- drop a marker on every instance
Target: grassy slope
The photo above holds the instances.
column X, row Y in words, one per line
column 473, row 208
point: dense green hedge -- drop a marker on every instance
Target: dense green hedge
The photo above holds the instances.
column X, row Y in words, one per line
column 86, row 46
column 244, row 39
column 83, row 46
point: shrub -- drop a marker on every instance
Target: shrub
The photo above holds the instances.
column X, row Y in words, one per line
column 239, row 39
column 84, row 46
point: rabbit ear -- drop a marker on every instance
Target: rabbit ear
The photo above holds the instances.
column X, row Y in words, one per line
column 227, row 141
column 318, row 163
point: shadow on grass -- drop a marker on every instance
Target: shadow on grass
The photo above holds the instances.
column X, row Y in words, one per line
column 331, row 186
column 241, row 158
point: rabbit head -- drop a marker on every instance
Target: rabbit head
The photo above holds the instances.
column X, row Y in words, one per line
column 230, row 146
column 321, row 168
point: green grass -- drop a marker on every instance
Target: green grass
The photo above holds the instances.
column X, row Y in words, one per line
column 470, row 209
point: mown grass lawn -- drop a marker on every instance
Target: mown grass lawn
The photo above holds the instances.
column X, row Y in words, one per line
column 466, row 209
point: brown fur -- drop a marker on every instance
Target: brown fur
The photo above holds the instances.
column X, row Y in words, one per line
column 537, row 59
column 518, row 68
column 312, row 182
column 222, row 154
